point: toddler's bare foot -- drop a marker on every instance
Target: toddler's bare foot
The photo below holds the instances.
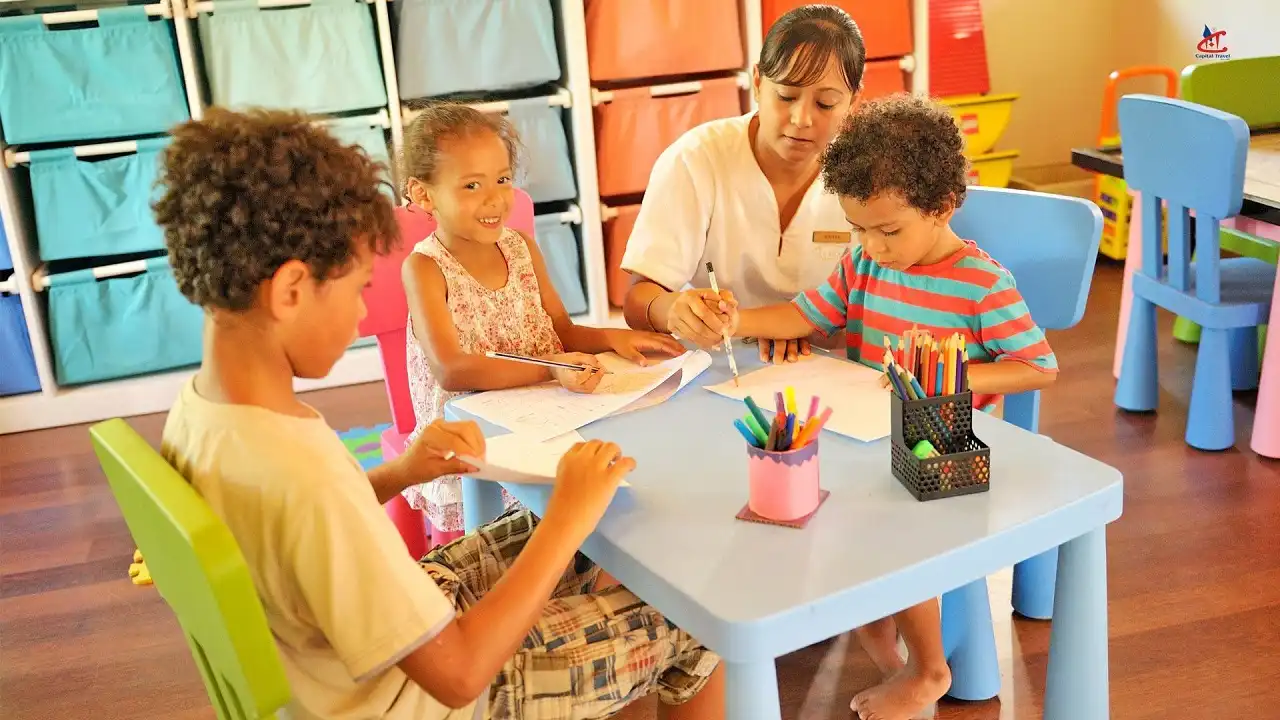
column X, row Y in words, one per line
column 910, row 694
column 880, row 640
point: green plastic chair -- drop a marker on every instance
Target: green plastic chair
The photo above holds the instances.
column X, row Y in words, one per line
column 1250, row 89
column 199, row 571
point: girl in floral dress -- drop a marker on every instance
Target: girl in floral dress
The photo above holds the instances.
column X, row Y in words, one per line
column 476, row 286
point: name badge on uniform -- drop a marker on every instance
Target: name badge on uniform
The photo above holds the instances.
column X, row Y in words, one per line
column 832, row 237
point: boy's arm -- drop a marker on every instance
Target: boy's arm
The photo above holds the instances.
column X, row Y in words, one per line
column 784, row 321
column 432, row 325
column 429, row 458
column 1022, row 358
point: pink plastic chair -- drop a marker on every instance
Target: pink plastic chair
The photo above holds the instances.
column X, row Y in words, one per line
column 387, row 320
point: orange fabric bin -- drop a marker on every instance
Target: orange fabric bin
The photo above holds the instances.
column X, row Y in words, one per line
column 885, row 24
column 883, row 77
column 617, row 231
column 635, row 127
column 628, row 39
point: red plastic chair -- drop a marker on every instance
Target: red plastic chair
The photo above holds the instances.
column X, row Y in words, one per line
column 387, row 320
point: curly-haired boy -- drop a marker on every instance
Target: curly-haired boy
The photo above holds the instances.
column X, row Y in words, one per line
column 898, row 168
column 272, row 227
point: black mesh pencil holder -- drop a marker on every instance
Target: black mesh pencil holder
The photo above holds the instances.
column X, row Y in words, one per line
column 963, row 465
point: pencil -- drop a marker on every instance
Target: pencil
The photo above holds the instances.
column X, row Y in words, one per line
column 728, row 346
column 539, row 361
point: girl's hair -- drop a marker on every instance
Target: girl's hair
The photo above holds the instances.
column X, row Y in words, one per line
column 801, row 42
column 442, row 121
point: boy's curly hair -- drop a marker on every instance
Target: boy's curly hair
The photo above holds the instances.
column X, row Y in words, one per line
column 903, row 144
column 243, row 193
column 438, row 121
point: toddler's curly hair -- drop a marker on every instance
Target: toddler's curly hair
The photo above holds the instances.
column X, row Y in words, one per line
column 902, row 144
column 244, row 193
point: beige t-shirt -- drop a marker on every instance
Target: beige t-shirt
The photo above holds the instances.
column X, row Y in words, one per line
column 708, row 200
column 343, row 598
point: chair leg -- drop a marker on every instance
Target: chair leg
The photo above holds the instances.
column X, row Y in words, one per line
column 969, row 641
column 1186, row 331
column 1132, row 262
column 1034, row 581
column 1210, row 425
column 1138, row 389
column 1243, row 348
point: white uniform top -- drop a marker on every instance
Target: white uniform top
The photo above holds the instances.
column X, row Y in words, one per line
column 708, row 200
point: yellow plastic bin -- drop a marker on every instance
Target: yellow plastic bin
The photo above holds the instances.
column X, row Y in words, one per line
column 982, row 119
column 993, row 169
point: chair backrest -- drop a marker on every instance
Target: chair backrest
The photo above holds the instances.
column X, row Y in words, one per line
column 1189, row 157
column 388, row 310
column 1049, row 243
column 1247, row 87
column 199, row 571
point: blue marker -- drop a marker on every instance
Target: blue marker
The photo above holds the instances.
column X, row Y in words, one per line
column 746, row 433
column 788, row 431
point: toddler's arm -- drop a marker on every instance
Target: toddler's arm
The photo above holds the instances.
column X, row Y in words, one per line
column 783, row 321
column 456, row 371
column 1022, row 357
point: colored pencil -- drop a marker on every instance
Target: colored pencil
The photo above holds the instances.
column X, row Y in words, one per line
column 893, row 376
column 746, row 433
column 964, row 374
column 906, row 384
column 812, row 429
column 787, row 432
column 772, row 444
column 781, row 403
column 915, row 385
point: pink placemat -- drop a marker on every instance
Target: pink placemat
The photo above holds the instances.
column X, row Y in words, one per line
column 798, row 523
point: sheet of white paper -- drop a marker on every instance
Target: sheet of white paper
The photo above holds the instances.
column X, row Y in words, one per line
column 515, row 458
column 859, row 406
column 694, row 365
column 545, row 411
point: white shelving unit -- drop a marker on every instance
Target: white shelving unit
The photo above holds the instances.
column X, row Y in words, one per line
column 57, row 406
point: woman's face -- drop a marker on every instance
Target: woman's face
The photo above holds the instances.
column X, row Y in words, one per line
column 798, row 123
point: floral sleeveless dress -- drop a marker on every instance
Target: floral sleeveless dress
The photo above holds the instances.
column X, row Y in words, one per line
column 510, row 320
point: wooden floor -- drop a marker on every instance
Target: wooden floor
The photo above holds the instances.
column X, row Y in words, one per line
column 1194, row 587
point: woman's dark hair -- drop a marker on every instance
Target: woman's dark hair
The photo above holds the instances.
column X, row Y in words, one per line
column 801, row 42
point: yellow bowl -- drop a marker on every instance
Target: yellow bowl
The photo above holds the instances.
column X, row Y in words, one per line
column 982, row 119
column 993, row 169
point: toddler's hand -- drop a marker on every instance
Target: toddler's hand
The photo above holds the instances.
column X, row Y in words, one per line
column 579, row 381
column 586, row 480
column 780, row 351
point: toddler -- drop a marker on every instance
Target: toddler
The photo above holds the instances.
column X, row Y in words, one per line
column 476, row 286
column 898, row 168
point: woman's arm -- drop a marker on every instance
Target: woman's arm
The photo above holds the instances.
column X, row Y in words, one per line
column 433, row 330
column 1008, row 377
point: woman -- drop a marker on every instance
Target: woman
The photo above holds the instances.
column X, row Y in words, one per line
column 744, row 193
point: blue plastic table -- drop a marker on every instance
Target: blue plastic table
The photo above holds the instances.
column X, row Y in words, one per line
column 753, row 592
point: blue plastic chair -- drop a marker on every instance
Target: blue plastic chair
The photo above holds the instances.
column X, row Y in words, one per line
column 1192, row 158
column 1050, row 244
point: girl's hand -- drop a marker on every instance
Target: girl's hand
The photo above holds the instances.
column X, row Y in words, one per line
column 579, row 381
column 701, row 316
column 780, row 351
column 633, row 344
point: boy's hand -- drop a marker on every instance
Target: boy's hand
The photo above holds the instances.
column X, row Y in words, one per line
column 435, row 452
column 579, row 381
column 780, row 351
column 586, row 480
column 633, row 344
column 701, row 316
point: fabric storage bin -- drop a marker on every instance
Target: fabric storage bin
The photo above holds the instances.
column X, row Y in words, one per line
column 635, row 127
column 121, row 326
column 372, row 139
column 546, row 172
column 117, row 79
column 885, row 24
column 17, row 365
column 87, row 208
column 881, row 78
column 629, row 39
column 559, row 245
column 6, row 260
column 320, row 58
column 507, row 44
column 616, row 232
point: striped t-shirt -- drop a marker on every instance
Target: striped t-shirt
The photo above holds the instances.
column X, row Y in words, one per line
column 967, row 293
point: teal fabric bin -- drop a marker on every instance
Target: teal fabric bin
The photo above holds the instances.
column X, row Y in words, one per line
column 118, row 79
column 122, row 326
column 6, row 260
column 452, row 46
column 559, row 245
column 96, row 208
column 17, row 365
column 547, row 171
column 354, row 131
column 321, row 58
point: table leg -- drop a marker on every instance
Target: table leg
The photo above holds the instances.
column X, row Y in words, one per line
column 481, row 502
column 1077, row 685
column 752, row 690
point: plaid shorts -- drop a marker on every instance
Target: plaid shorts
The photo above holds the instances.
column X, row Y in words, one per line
column 590, row 654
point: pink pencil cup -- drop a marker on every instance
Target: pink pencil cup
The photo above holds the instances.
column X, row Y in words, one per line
column 784, row 485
